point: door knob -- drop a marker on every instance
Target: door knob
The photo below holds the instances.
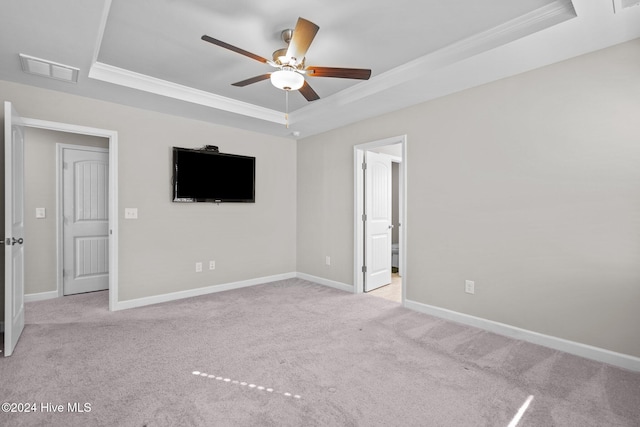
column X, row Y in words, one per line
column 18, row 241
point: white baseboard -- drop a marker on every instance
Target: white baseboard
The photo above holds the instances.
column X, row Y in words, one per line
column 325, row 282
column 156, row 299
column 40, row 296
column 571, row 347
column 583, row 350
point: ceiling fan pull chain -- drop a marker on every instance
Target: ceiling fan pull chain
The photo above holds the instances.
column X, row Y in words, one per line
column 286, row 111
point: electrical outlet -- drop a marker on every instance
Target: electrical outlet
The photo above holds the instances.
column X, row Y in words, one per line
column 41, row 213
column 212, row 265
column 327, row 260
column 198, row 267
column 131, row 213
column 470, row 286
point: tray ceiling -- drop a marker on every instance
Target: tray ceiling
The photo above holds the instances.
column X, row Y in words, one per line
column 148, row 53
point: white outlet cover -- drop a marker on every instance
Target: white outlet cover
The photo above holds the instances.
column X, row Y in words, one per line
column 469, row 286
column 131, row 213
column 198, row 267
column 212, row 265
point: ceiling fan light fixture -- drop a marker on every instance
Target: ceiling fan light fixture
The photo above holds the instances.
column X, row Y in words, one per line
column 287, row 79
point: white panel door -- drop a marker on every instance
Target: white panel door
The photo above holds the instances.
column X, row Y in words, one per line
column 378, row 220
column 86, row 220
column 13, row 228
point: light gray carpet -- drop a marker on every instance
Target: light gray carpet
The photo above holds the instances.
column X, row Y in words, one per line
column 293, row 353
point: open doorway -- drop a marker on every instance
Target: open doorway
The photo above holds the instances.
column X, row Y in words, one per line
column 393, row 290
column 54, row 135
column 380, row 226
column 14, row 207
column 51, row 221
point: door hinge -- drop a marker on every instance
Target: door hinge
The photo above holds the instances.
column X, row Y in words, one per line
column 364, row 268
column 364, row 166
column 65, row 165
column 364, row 217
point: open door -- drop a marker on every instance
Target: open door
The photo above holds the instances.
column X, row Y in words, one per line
column 13, row 228
column 377, row 220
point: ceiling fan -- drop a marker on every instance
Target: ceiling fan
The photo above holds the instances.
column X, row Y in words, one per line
column 290, row 62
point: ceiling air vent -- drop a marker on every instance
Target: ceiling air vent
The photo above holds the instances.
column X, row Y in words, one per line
column 42, row 67
column 620, row 5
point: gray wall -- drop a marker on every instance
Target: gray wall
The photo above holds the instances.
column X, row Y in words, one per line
column 158, row 252
column 529, row 185
column 40, row 192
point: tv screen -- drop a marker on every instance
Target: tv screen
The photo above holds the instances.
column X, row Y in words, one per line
column 209, row 176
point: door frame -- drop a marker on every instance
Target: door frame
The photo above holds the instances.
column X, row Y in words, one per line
column 112, row 137
column 358, row 226
column 60, row 147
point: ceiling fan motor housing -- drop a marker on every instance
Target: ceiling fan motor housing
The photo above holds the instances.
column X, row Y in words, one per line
column 279, row 55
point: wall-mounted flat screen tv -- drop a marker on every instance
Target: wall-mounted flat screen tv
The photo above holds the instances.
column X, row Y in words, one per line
column 210, row 176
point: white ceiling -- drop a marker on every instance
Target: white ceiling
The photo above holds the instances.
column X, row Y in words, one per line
column 148, row 53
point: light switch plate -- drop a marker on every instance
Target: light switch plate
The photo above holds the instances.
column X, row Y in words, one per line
column 131, row 213
column 41, row 213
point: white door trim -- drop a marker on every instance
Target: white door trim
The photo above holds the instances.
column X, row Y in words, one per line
column 112, row 136
column 358, row 234
column 60, row 207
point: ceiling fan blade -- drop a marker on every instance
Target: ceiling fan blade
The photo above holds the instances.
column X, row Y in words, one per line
column 302, row 37
column 233, row 48
column 252, row 80
column 308, row 92
column 343, row 73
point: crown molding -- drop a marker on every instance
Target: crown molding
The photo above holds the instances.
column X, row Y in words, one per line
column 507, row 32
column 120, row 76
